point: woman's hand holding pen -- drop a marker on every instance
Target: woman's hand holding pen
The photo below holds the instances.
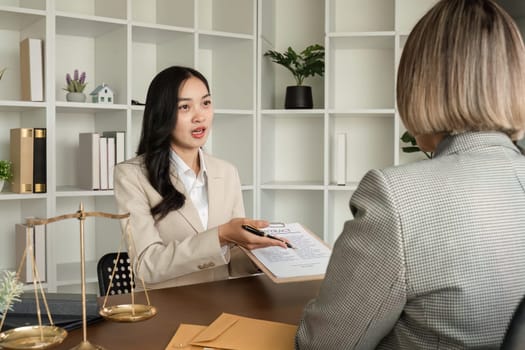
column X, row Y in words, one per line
column 233, row 232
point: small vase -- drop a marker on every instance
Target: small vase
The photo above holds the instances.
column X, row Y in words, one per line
column 1, row 184
column 76, row 97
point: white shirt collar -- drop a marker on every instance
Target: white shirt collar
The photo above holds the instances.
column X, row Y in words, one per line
column 183, row 168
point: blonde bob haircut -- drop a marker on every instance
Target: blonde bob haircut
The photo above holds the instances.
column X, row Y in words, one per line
column 463, row 69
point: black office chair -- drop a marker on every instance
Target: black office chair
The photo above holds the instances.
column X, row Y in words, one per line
column 121, row 281
column 515, row 335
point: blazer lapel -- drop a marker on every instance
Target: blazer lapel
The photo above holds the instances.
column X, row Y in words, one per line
column 215, row 192
column 188, row 210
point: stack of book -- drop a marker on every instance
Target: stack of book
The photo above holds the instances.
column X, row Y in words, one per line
column 28, row 156
column 97, row 156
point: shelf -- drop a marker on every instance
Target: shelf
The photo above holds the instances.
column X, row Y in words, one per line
column 292, row 149
column 362, row 71
column 235, row 16
column 374, row 113
column 86, row 26
column 87, row 107
column 21, row 106
column 180, row 13
column 9, row 196
column 16, row 5
column 285, row 158
column 115, row 9
column 232, row 85
column 71, row 191
column 409, row 11
column 234, row 112
column 361, row 38
column 292, row 185
column 159, row 34
column 369, row 144
column 301, row 112
column 14, row 27
column 18, row 19
column 227, row 127
column 350, row 186
column 358, row 15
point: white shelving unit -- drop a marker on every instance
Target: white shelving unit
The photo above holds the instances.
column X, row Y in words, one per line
column 286, row 158
column 122, row 43
column 296, row 153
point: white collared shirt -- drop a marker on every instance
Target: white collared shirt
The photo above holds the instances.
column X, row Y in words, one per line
column 196, row 185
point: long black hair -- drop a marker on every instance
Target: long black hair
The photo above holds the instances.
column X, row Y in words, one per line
column 159, row 121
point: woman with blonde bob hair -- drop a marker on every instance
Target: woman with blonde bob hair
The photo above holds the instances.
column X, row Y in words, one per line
column 433, row 257
column 463, row 74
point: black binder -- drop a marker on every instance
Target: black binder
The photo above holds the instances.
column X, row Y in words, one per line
column 39, row 160
column 65, row 308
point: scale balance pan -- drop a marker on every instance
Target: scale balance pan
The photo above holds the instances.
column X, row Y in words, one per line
column 30, row 337
column 128, row 312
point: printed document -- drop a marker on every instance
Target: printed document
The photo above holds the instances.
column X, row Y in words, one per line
column 307, row 259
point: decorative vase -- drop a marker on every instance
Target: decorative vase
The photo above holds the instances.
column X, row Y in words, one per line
column 76, row 97
column 298, row 97
column 1, row 184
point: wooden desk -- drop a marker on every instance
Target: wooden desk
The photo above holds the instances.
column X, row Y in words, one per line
column 256, row 297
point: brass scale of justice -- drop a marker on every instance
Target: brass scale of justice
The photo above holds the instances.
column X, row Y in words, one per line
column 47, row 336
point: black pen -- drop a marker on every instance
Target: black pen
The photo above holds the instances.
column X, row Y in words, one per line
column 257, row 232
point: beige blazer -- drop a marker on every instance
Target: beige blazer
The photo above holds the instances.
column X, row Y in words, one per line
column 177, row 250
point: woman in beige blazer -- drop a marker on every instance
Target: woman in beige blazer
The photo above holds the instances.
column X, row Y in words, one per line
column 186, row 207
column 434, row 257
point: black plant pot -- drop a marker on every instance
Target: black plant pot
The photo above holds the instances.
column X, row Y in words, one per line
column 298, row 97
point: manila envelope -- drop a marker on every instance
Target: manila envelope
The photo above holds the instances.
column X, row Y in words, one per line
column 243, row 333
column 183, row 337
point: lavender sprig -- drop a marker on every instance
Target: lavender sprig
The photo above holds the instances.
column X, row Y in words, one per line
column 77, row 83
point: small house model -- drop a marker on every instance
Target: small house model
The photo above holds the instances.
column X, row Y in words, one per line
column 102, row 94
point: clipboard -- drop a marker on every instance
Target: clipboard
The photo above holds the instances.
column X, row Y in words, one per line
column 303, row 268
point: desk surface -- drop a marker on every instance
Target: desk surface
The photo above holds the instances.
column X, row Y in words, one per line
column 256, row 297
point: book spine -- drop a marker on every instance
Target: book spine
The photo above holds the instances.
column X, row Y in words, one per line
column 111, row 160
column 39, row 161
column 24, row 240
column 120, row 147
column 39, row 243
column 120, row 144
column 103, row 163
column 31, row 70
column 21, row 155
column 89, row 161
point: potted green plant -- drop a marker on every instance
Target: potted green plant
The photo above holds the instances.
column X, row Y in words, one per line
column 6, row 172
column 309, row 62
column 75, row 86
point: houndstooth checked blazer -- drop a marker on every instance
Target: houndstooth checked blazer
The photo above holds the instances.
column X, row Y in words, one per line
column 435, row 255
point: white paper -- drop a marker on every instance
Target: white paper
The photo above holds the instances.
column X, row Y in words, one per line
column 309, row 257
